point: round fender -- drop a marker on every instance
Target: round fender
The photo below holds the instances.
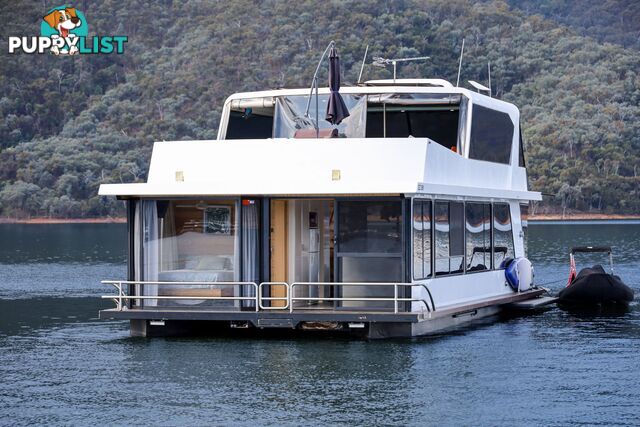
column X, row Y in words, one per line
column 519, row 274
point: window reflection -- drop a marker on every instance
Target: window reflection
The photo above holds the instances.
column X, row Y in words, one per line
column 449, row 218
column 478, row 227
column 421, row 239
column 502, row 234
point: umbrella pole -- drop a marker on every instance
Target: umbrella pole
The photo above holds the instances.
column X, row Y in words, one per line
column 317, row 112
column 314, row 82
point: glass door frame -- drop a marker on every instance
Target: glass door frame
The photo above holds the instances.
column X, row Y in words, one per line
column 404, row 258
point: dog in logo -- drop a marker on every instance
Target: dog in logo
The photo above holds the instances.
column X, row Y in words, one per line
column 63, row 21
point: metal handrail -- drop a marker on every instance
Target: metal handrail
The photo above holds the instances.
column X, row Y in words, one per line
column 284, row 298
column 259, row 298
column 118, row 284
column 395, row 298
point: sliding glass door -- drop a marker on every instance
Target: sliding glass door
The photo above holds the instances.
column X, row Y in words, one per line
column 369, row 249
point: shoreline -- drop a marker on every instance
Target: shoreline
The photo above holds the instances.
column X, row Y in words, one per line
column 581, row 217
column 107, row 220
column 122, row 220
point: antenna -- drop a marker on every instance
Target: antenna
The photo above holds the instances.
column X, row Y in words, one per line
column 489, row 69
column 362, row 66
column 378, row 61
column 460, row 63
column 479, row 87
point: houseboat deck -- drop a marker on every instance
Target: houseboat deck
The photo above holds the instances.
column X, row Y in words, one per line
column 376, row 323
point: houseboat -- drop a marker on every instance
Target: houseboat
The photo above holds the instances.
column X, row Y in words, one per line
column 397, row 222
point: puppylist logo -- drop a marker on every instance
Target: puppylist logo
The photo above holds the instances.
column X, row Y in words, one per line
column 64, row 31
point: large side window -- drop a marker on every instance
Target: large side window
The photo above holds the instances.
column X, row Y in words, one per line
column 491, row 135
column 502, row 234
column 478, row 223
column 421, row 239
column 449, row 231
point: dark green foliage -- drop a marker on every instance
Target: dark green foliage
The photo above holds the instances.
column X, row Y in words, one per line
column 69, row 124
column 612, row 21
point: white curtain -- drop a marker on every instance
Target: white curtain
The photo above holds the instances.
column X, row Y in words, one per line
column 249, row 250
column 151, row 249
column 168, row 241
column 137, row 245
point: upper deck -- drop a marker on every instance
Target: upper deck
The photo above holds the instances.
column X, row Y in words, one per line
column 411, row 137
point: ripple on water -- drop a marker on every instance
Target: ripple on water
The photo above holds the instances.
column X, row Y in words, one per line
column 59, row 365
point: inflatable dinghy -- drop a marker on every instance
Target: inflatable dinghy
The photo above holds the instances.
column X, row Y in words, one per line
column 594, row 286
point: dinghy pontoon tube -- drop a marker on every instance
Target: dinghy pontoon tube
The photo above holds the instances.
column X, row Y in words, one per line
column 594, row 285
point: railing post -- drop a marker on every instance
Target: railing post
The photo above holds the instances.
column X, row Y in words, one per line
column 258, row 296
column 395, row 298
column 290, row 292
column 119, row 296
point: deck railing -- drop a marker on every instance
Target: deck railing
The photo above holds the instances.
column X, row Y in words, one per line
column 341, row 285
column 122, row 296
column 259, row 300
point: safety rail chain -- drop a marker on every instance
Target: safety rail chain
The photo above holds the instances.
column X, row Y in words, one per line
column 289, row 298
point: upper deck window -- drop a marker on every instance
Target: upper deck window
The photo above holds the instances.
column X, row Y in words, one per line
column 521, row 161
column 440, row 117
column 290, row 116
column 439, row 123
column 250, row 118
column 491, row 135
column 426, row 115
column 248, row 125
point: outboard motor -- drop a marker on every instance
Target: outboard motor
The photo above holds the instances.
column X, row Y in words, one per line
column 519, row 274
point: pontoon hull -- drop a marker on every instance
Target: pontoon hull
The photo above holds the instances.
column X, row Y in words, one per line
column 370, row 325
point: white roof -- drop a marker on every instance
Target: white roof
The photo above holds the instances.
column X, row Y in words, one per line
column 398, row 88
column 409, row 82
column 344, row 166
column 279, row 167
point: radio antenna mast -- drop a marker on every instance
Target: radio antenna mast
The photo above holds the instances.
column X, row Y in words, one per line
column 460, row 64
column 379, row 61
column 489, row 69
column 362, row 66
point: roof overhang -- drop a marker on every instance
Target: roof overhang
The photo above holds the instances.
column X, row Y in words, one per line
column 322, row 167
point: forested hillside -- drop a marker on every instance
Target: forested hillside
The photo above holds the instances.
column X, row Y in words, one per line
column 613, row 21
column 69, row 124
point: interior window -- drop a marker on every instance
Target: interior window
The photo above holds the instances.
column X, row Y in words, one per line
column 478, row 223
column 437, row 123
column 449, row 218
column 491, row 135
column 502, row 234
column 421, row 239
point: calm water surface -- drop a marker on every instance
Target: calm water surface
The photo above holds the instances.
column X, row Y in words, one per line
column 60, row 365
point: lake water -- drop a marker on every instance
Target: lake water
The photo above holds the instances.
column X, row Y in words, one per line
column 59, row 364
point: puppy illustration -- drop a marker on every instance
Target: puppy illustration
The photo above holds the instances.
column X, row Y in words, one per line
column 63, row 21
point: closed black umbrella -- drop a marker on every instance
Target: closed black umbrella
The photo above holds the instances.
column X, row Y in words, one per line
column 336, row 109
